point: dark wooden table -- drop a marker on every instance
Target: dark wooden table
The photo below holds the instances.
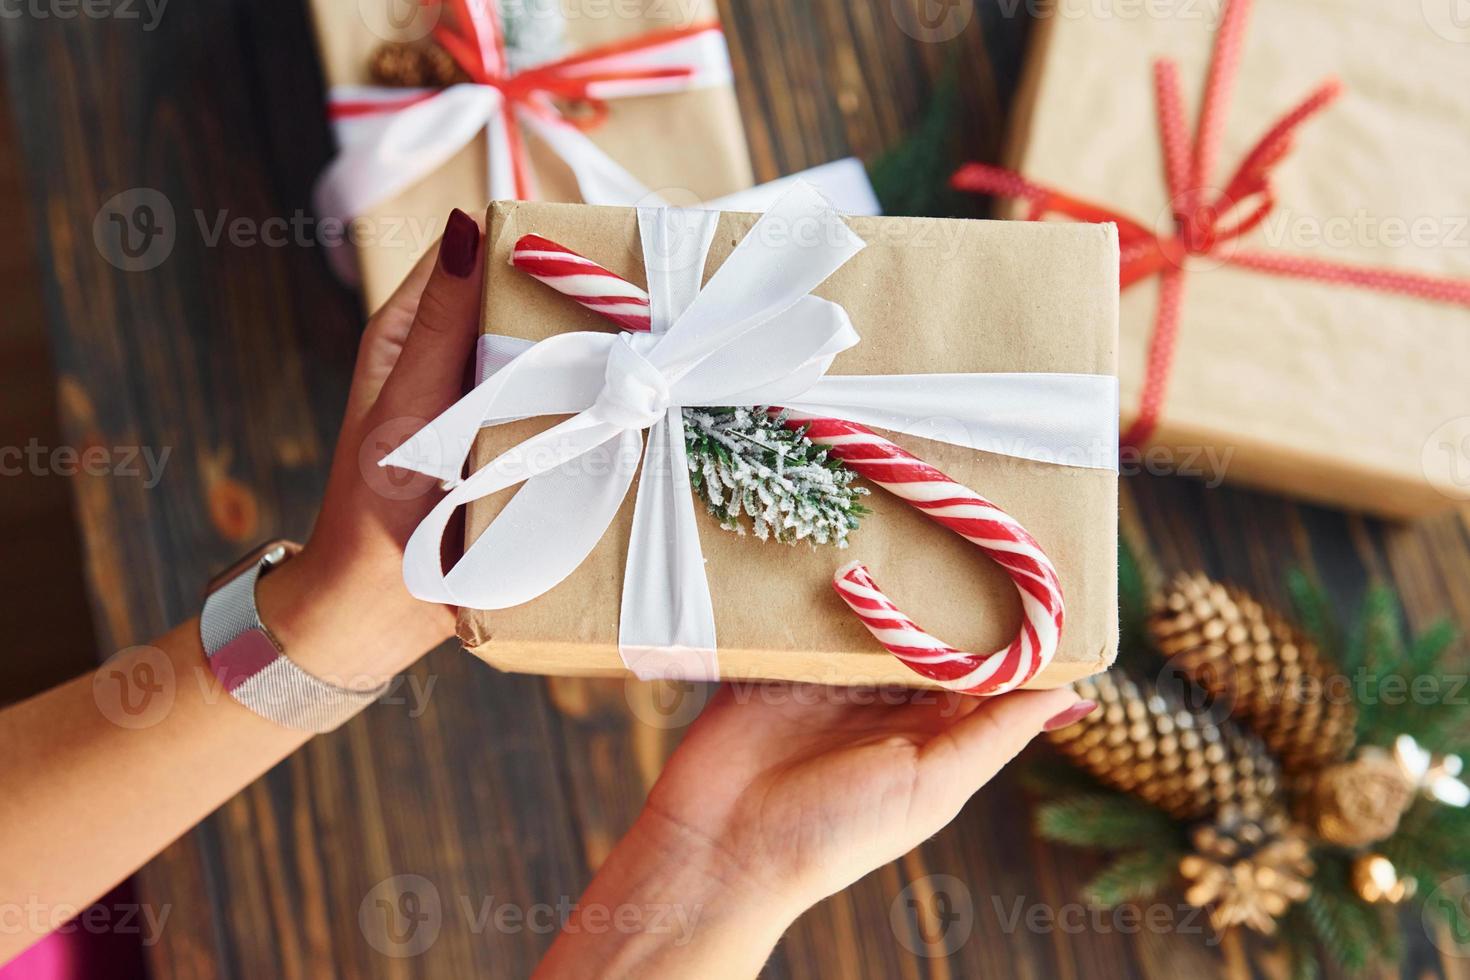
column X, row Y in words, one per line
column 495, row 789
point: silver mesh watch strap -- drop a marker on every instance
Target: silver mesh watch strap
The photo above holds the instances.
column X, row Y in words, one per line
column 247, row 659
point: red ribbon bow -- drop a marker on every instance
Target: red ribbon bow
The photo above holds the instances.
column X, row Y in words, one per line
column 483, row 59
column 1204, row 223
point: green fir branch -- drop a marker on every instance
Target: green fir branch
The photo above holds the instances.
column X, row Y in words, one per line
column 1051, row 778
column 1432, row 843
column 1107, row 820
column 912, row 178
column 1133, row 605
column 1374, row 655
column 1299, row 940
column 1134, row 877
column 750, row 468
column 1428, row 652
column 1376, row 641
column 1351, row 931
column 1315, row 613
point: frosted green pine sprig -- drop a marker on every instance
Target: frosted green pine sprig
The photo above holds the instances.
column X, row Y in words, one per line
column 748, row 466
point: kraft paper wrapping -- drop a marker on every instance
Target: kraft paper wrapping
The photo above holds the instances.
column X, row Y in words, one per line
column 926, row 295
column 1336, row 394
column 688, row 145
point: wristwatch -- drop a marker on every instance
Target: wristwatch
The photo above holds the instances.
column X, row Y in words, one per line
column 248, row 659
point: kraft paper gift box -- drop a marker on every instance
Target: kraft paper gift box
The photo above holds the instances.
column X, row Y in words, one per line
column 688, row 145
column 1337, row 394
column 926, row 296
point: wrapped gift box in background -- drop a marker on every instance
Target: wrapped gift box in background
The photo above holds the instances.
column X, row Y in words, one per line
column 925, row 296
column 687, row 144
column 1337, row 393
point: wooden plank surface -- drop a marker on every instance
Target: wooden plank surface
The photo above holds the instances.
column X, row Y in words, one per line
column 492, row 788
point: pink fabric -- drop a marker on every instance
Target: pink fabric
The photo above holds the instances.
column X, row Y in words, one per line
column 74, row 952
column 54, row 958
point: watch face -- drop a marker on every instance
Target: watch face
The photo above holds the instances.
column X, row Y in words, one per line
column 271, row 552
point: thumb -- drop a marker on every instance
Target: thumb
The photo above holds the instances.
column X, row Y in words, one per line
column 428, row 376
column 969, row 753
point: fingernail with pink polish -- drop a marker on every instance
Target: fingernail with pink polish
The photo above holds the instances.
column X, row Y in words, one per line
column 1071, row 716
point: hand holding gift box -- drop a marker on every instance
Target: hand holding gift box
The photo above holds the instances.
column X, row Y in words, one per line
column 756, row 336
column 1335, row 393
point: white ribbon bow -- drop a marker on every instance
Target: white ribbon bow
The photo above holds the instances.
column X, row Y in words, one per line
column 383, row 153
column 752, row 336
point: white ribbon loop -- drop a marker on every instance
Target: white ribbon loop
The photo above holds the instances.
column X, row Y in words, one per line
column 753, row 336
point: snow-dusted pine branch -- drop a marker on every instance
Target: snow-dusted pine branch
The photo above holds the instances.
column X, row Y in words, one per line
column 746, row 464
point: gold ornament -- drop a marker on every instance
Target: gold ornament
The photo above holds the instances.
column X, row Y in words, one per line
column 1359, row 802
column 1247, row 869
column 1375, row 879
column 420, row 65
column 1145, row 741
column 1271, row 675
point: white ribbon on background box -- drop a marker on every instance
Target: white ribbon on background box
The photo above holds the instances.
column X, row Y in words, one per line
column 382, row 154
column 754, row 335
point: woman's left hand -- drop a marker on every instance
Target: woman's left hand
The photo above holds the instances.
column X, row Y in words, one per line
column 347, row 584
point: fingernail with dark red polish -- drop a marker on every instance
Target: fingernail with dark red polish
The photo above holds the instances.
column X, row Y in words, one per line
column 1071, row 716
column 461, row 243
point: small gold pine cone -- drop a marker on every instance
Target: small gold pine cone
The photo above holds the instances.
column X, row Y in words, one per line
column 1359, row 802
column 1248, row 867
column 418, row 65
column 1273, row 677
column 1146, row 742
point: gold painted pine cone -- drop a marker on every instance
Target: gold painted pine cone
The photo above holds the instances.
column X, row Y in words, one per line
column 1146, row 742
column 423, row 64
column 1273, row 677
column 1248, row 868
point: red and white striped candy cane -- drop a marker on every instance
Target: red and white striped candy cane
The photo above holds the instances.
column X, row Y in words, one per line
column 973, row 518
column 896, row 470
column 577, row 276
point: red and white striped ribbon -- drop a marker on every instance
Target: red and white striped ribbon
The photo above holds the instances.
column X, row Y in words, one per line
column 896, row 470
